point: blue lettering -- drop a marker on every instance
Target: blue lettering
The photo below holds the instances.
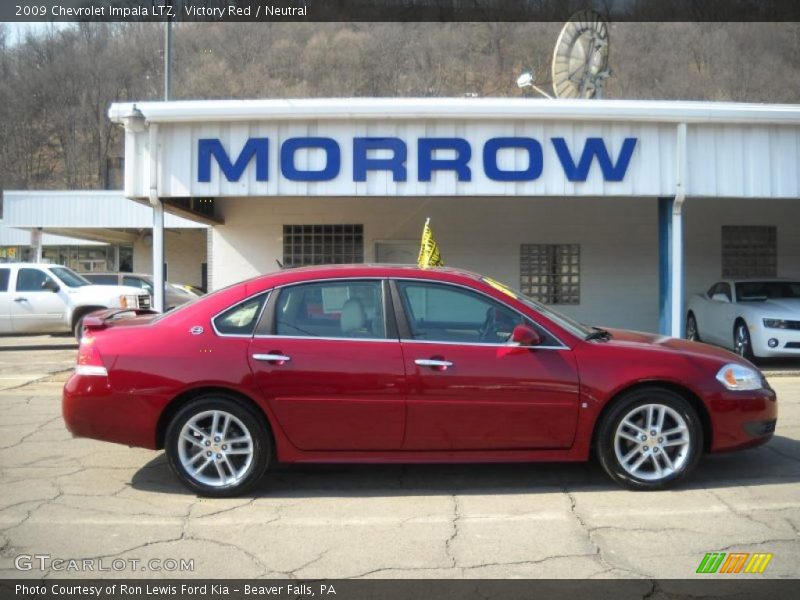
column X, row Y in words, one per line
column 332, row 163
column 594, row 147
column 258, row 147
column 427, row 164
column 362, row 163
column 535, row 159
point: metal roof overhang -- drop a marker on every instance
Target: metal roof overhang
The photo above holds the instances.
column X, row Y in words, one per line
column 661, row 111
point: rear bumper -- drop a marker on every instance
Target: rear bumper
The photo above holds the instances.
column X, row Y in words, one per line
column 743, row 419
column 91, row 409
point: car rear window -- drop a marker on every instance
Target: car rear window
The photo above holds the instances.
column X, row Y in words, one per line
column 240, row 319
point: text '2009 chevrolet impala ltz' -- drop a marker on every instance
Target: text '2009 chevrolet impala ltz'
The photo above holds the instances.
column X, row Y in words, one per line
column 379, row 364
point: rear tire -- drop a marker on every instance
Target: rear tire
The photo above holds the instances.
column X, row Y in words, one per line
column 218, row 446
column 650, row 439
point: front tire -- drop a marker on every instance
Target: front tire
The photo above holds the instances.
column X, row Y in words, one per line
column 77, row 330
column 742, row 344
column 692, row 333
column 650, row 439
column 218, row 446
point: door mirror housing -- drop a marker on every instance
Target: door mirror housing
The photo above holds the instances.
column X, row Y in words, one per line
column 720, row 297
column 51, row 285
column 525, row 336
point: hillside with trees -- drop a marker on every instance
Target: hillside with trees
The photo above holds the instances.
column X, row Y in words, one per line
column 56, row 86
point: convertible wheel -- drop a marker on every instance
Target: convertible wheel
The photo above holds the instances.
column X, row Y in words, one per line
column 741, row 341
column 217, row 446
column 650, row 439
column 691, row 329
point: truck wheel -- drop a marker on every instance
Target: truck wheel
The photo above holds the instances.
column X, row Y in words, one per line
column 77, row 331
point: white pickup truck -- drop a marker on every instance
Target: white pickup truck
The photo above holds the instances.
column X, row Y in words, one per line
column 39, row 298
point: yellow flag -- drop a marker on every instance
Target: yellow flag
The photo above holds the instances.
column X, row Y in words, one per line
column 429, row 250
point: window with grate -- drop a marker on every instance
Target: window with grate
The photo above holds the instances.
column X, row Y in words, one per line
column 749, row 251
column 322, row 244
column 550, row 273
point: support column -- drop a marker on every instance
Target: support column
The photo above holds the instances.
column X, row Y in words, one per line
column 665, row 265
column 676, row 271
column 158, row 257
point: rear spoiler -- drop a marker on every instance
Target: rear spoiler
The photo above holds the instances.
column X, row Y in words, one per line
column 101, row 319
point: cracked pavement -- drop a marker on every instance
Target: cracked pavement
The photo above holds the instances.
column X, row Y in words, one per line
column 76, row 498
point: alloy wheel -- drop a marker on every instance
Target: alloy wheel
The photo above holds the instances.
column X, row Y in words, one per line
column 741, row 341
column 215, row 448
column 652, row 442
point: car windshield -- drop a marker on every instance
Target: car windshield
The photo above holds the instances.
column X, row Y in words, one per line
column 759, row 291
column 577, row 329
column 69, row 277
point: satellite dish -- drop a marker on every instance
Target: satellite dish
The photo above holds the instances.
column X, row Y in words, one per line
column 580, row 60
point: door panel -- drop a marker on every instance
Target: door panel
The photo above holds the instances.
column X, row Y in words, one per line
column 32, row 308
column 480, row 392
column 327, row 368
column 5, row 301
column 334, row 394
column 492, row 397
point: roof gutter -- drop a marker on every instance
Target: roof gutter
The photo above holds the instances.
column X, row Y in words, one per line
column 460, row 108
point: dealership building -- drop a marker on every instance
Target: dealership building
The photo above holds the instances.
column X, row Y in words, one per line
column 612, row 211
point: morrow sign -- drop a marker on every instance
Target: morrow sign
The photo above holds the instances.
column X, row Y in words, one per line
column 433, row 154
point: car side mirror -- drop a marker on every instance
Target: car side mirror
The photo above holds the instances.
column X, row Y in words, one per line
column 49, row 284
column 719, row 297
column 525, row 336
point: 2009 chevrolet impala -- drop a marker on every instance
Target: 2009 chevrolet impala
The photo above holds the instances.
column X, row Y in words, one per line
column 397, row 364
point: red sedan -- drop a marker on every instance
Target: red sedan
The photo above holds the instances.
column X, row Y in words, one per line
column 378, row 364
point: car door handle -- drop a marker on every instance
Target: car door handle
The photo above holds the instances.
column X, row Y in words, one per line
column 20, row 299
column 434, row 363
column 272, row 357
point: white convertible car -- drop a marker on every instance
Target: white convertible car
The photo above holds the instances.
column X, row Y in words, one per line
column 755, row 318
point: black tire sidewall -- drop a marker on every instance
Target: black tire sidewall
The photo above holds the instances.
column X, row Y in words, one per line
column 262, row 443
column 747, row 354
column 691, row 318
column 622, row 406
column 77, row 330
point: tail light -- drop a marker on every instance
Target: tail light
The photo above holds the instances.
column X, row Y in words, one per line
column 89, row 360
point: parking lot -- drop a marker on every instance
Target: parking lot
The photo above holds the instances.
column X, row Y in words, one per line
column 75, row 498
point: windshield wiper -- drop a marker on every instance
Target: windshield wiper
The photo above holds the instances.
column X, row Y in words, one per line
column 598, row 334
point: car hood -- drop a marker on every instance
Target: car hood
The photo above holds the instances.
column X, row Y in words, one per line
column 624, row 337
column 774, row 306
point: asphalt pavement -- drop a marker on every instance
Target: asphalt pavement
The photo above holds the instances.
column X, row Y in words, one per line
column 80, row 499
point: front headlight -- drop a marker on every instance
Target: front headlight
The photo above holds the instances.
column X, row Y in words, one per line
column 776, row 323
column 127, row 301
column 739, row 378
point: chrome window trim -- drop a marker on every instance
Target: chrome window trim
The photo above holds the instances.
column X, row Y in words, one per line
column 563, row 346
column 266, row 292
column 327, row 339
column 506, row 345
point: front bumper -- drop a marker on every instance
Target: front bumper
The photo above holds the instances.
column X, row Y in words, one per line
column 742, row 419
column 788, row 341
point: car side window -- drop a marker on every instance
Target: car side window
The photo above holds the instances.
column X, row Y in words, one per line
column 446, row 313
column 4, row 275
column 332, row 309
column 102, row 279
column 137, row 282
column 725, row 288
column 241, row 318
column 31, row 280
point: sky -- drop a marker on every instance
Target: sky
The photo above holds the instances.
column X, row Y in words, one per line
column 18, row 30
